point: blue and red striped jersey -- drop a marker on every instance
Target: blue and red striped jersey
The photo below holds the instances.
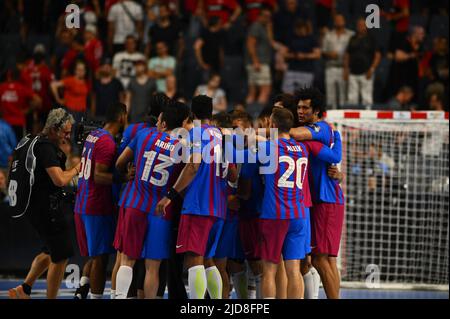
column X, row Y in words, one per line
column 156, row 171
column 128, row 135
column 283, row 191
column 324, row 188
column 92, row 198
column 252, row 207
column 204, row 195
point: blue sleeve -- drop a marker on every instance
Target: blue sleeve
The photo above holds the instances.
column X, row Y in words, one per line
column 133, row 144
column 125, row 139
column 326, row 154
column 321, row 132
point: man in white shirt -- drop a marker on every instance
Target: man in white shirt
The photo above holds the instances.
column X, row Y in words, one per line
column 124, row 18
column 124, row 62
column 162, row 66
column 333, row 50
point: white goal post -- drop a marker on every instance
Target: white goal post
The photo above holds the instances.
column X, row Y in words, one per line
column 397, row 198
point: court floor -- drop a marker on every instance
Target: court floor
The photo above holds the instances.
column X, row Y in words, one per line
column 65, row 293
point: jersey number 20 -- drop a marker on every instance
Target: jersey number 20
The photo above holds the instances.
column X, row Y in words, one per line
column 299, row 166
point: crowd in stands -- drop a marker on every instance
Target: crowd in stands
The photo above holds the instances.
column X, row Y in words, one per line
column 241, row 53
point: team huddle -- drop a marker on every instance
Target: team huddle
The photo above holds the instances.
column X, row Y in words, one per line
column 268, row 224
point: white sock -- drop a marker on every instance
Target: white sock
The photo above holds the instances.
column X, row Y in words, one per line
column 123, row 281
column 316, row 277
column 240, row 282
column 251, row 285
column 84, row 281
column 258, row 286
column 309, row 285
column 269, row 298
column 214, row 282
column 96, row 296
column 113, row 294
column 197, row 282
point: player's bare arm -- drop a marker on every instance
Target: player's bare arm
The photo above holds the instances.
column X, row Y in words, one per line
column 102, row 175
column 335, row 173
column 301, row 134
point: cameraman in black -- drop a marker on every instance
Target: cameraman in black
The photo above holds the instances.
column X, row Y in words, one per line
column 44, row 210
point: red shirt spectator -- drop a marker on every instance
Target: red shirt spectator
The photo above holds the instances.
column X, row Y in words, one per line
column 253, row 7
column 93, row 48
column 38, row 76
column 15, row 101
column 75, row 93
column 402, row 24
column 190, row 5
column 223, row 9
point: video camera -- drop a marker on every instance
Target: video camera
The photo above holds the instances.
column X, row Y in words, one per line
column 83, row 128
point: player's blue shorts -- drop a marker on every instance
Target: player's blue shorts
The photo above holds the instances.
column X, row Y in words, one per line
column 95, row 234
column 158, row 239
column 308, row 233
column 214, row 237
column 295, row 242
column 229, row 245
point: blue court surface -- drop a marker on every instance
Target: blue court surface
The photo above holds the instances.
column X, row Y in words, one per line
column 65, row 293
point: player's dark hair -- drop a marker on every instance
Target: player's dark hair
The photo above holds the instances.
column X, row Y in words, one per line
column 202, row 107
column 283, row 120
column 266, row 112
column 158, row 101
column 174, row 113
column 114, row 112
column 241, row 115
column 317, row 99
column 222, row 120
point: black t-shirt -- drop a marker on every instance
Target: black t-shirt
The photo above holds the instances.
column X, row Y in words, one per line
column 213, row 43
column 361, row 51
column 169, row 35
column 47, row 155
column 106, row 94
column 302, row 45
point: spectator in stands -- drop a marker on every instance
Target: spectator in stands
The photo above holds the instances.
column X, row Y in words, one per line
column 233, row 70
column 333, row 50
column 402, row 101
column 75, row 91
column 166, row 29
column 16, row 100
column 124, row 18
column 227, row 10
column 304, row 50
column 399, row 18
column 123, row 62
column 37, row 75
column 161, row 66
column 139, row 93
column 93, row 48
column 213, row 90
column 209, row 48
column 325, row 10
column 284, row 21
column 8, row 142
column 151, row 13
column 75, row 53
column 360, row 62
column 405, row 67
column 436, row 103
column 63, row 44
column 252, row 8
column 258, row 59
column 107, row 90
column 439, row 62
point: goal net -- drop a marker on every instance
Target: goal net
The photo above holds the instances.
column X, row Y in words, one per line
column 397, row 198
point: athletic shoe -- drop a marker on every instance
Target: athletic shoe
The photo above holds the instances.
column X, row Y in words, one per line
column 82, row 292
